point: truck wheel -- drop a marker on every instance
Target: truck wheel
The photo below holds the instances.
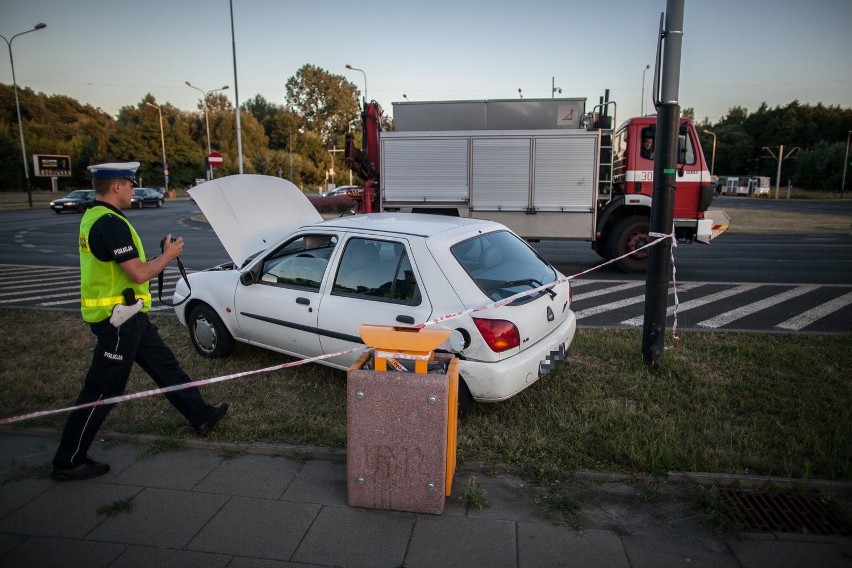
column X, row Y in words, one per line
column 601, row 247
column 209, row 335
column 628, row 235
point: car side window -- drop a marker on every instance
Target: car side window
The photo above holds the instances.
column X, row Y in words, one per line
column 377, row 270
column 299, row 263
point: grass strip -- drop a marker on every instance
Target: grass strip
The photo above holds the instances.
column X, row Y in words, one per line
column 762, row 404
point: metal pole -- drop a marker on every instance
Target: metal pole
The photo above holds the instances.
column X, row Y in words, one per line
column 365, row 81
column 642, row 112
column 236, row 90
column 713, row 158
column 662, row 207
column 39, row 26
column 205, row 94
column 845, row 165
column 163, row 143
column 778, row 174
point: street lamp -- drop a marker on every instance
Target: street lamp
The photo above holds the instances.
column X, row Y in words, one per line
column 845, row 165
column 642, row 106
column 520, row 93
column 553, row 88
column 39, row 26
column 206, row 121
column 713, row 158
column 365, row 81
column 163, row 142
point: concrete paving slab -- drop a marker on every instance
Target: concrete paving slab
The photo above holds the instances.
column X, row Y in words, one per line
column 453, row 541
column 550, row 546
column 349, row 537
column 66, row 510
column 319, row 481
column 771, row 553
column 260, row 528
column 243, row 562
column 251, row 476
column 16, row 494
column 8, row 542
column 146, row 556
column 161, row 518
column 664, row 552
column 182, row 469
column 22, row 453
column 68, row 553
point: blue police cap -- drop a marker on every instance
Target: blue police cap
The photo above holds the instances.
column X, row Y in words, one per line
column 115, row 170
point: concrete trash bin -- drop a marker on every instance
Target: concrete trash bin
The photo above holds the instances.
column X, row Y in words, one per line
column 401, row 432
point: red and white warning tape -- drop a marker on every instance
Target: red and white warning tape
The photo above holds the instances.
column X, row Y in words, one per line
column 658, row 237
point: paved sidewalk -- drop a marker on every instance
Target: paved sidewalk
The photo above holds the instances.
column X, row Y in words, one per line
column 225, row 505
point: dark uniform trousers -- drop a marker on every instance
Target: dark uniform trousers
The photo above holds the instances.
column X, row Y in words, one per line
column 137, row 340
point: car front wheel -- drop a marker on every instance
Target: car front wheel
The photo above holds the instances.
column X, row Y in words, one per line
column 209, row 335
column 629, row 235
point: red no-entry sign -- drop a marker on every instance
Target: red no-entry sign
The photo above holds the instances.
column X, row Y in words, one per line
column 215, row 159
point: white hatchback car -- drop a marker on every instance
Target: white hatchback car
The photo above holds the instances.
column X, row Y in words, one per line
column 314, row 282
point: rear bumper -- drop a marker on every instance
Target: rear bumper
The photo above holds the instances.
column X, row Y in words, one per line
column 495, row 382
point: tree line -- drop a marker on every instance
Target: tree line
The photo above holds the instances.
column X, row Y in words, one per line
column 819, row 133
column 297, row 139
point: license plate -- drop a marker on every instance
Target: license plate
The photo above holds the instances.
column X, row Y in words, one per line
column 553, row 358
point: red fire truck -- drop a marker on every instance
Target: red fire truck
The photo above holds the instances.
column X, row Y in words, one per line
column 543, row 167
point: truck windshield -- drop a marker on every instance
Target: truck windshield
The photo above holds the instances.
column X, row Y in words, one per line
column 503, row 265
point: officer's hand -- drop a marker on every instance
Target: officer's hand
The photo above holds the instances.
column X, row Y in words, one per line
column 172, row 248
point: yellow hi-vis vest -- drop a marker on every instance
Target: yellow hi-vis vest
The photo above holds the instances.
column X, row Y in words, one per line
column 102, row 283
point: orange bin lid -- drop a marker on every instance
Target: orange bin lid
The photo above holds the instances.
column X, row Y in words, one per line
column 405, row 339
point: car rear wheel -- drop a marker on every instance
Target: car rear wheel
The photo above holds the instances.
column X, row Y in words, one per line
column 209, row 335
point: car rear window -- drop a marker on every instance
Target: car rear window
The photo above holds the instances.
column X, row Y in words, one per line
column 503, row 265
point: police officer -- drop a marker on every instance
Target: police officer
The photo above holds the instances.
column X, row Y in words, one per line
column 114, row 276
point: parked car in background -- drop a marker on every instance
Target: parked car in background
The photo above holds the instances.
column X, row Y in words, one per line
column 78, row 200
column 143, row 196
column 341, row 190
column 303, row 286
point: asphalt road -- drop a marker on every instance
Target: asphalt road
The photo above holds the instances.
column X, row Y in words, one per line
column 738, row 282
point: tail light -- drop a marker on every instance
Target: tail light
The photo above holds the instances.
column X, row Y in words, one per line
column 499, row 335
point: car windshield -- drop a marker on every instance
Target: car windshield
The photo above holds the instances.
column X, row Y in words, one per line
column 503, row 265
column 79, row 193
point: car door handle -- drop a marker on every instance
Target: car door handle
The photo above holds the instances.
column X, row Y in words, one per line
column 303, row 301
column 405, row 319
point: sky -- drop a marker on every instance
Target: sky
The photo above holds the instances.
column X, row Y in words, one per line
column 111, row 53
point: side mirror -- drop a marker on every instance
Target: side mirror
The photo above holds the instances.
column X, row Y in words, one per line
column 248, row 278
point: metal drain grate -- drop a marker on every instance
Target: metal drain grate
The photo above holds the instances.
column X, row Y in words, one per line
column 780, row 511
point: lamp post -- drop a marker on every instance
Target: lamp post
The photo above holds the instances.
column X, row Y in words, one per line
column 845, row 165
column 553, row 88
column 713, row 158
column 163, row 143
column 39, row 26
column 206, row 120
column 365, row 81
column 642, row 105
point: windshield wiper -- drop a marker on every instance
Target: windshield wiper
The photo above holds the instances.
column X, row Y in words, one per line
column 529, row 282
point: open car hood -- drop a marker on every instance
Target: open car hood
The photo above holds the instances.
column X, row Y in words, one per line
column 251, row 212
